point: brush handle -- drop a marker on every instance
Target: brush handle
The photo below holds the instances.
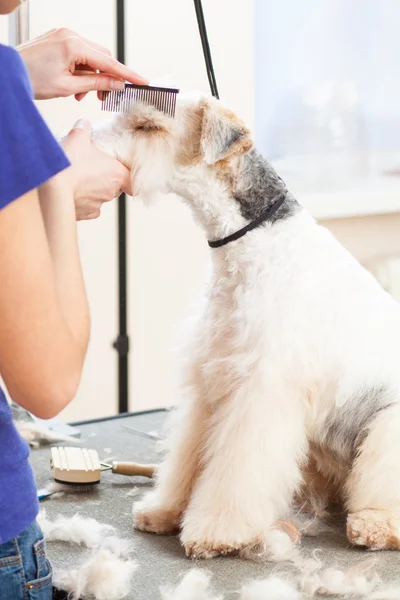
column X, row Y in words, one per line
column 131, row 468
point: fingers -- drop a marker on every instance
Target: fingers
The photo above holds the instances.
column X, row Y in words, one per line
column 79, row 70
column 98, row 82
column 85, row 54
column 81, row 96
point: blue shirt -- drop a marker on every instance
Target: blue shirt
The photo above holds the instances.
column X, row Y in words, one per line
column 29, row 156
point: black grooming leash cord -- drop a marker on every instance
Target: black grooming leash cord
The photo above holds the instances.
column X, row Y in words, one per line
column 270, row 213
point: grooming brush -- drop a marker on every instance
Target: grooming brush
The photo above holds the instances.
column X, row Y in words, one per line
column 163, row 99
column 80, row 466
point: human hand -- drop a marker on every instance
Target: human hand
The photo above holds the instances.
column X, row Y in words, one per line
column 62, row 63
column 96, row 177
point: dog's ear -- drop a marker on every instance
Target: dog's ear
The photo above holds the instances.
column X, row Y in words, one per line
column 222, row 133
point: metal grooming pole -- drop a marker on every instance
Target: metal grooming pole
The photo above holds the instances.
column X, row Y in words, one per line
column 121, row 344
column 18, row 25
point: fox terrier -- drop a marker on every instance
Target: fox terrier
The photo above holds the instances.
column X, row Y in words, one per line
column 292, row 386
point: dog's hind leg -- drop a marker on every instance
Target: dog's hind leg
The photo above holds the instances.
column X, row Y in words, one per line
column 253, row 449
column 161, row 510
column 373, row 486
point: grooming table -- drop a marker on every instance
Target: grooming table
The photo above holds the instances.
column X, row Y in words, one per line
column 161, row 559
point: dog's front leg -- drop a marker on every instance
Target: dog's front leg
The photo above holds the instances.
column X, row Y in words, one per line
column 255, row 442
column 161, row 510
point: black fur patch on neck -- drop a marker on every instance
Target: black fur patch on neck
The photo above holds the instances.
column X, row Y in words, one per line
column 258, row 187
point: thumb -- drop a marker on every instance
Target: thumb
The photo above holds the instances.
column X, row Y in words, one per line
column 83, row 124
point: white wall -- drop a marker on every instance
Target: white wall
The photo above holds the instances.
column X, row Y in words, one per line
column 167, row 254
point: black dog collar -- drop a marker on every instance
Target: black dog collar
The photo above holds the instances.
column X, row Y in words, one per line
column 267, row 215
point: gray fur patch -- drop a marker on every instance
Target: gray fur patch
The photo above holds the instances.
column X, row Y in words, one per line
column 259, row 186
column 347, row 427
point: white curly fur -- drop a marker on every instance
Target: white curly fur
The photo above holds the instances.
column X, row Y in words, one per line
column 296, row 349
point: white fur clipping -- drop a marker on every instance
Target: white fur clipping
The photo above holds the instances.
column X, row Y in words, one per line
column 273, row 588
column 359, row 581
column 76, row 530
column 280, row 547
column 103, row 576
column 195, row 585
column 277, row 547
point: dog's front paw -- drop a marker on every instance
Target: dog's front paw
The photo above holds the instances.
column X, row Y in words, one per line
column 150, row 515
column 374, row 529
column 207, row 537
column 208, row 549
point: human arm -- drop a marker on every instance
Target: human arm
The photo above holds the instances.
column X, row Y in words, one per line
column 44, row 323
column 43, row 309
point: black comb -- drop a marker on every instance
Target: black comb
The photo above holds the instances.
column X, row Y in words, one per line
column 163, row 99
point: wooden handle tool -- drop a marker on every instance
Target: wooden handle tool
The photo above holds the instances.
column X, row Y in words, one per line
column 131, row 468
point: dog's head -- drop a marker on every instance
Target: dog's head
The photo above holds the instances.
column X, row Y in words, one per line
column 203, row 134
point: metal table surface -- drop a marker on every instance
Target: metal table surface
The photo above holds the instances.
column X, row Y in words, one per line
column 161, row 558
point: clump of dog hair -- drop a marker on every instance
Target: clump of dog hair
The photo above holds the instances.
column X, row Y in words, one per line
column 359, row 581
column 104, row 576
column 195, row 585
column 276, row 547
column 84, row 532
column 76, row 530
column 273, row 587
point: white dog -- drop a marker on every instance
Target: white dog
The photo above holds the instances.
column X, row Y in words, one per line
column 293, row 386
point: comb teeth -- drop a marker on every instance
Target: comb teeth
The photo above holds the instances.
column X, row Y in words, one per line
column 163, row 99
